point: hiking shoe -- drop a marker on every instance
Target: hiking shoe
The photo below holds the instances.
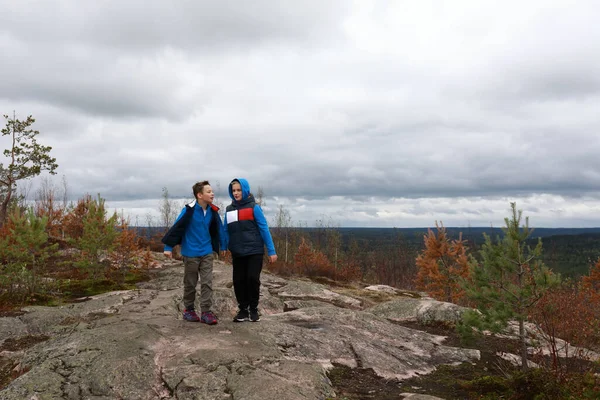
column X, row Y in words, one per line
column 208, row 318
column 241, row 316
column 254, row 317
column 190, row 315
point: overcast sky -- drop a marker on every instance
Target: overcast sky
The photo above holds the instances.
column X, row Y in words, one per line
column 367, row 113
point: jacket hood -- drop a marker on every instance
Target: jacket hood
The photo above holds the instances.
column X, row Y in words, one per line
column 193, row 203
column 245, row 188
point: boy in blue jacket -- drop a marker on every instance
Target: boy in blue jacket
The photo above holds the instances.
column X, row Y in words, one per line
column 245, row 233
column 197, row 230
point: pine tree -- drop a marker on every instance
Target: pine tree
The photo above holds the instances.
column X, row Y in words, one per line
column 26, row 159
column 442, row 265
column 48, row 204
column 24, row 248
column 508, row 282
column 72, row 223
column 97, row 239
column 125, row 250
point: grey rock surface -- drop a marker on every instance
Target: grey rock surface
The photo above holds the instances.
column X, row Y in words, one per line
column 424, row 310
column 134, row 344
column 414, row 396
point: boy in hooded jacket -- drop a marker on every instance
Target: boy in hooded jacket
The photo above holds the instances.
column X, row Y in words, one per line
column 246, row 233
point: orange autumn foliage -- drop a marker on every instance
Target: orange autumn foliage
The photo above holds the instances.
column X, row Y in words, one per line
column 571, row 313
column 591, row 282
column 146, row 261
column 303, row 257
column 441, row 266
column 312, row 263
column 348, row 272
column 73, row 220
column 125, row 251
column 49, row 208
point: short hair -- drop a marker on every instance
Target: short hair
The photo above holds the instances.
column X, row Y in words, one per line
column 199, row 187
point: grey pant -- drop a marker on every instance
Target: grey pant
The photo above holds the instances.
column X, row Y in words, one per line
column 194, row 266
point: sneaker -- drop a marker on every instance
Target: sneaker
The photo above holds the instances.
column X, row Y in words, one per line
column 241, row 316
column 208, row 318
column 254, row 317
column 190, row 315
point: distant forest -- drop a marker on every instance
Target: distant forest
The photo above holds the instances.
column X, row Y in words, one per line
column 568, row 251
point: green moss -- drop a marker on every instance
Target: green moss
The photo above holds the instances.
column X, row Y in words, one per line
column 487, row 385
column 75, row 288
column 66, row 290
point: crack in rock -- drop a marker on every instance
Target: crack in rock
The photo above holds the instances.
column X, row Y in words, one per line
column 359, row 363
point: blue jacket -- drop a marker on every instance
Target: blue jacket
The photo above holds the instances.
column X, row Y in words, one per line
column 198, row 234
column 245, row 229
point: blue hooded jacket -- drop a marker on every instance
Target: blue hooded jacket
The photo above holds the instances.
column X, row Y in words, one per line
column 245, row 229
column 197, row 232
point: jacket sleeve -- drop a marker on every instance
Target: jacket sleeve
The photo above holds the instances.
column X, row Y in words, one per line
column 224, row 233
column 171, row 231
column 215, row 230
column 263, row 227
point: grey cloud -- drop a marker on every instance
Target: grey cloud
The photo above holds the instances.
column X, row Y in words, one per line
column 477, row 171
column 148, row 25
column 319, row 110
column 549, row 83
column 95, row 84
column 87, row 58
column 468, row 211
column 563, row 85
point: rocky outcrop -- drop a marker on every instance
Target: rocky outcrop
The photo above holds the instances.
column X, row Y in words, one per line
column 134, row 344
column 424, row 310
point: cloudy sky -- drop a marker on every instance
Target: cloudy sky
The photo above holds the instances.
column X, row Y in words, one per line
column 367, row 113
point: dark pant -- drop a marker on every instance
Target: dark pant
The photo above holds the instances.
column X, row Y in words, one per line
column 246, row 280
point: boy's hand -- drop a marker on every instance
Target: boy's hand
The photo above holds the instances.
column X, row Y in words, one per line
column 273, row 258
column 223, row 253
column 168, row 254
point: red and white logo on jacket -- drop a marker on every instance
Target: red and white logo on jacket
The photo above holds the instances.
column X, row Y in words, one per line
column 245, row 214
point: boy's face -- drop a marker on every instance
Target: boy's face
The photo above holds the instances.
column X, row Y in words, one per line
column 207, row 195
column 236, row 189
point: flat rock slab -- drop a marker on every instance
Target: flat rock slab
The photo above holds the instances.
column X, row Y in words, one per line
column 415, row 396
column 424, row 310
column 301, row 290
column 360, row 339
column 134, row 344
